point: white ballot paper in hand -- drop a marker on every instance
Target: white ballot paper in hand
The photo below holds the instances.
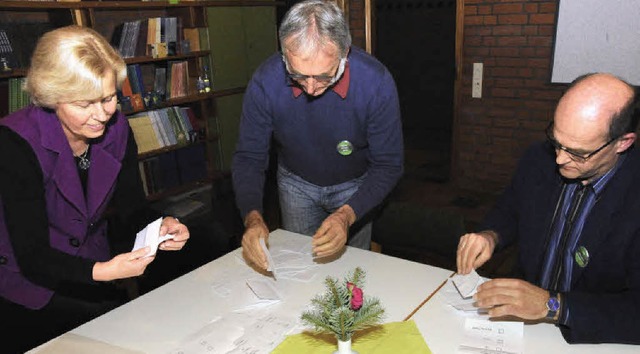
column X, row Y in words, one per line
column 271, row 266
column 467, row 284
column 150, row 236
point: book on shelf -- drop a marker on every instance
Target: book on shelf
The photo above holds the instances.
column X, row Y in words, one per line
column 160, row 81
column 168, row 127
column 18, row 97
column 13, row 95
column 144, row 132
column 195, row 123
column 153, row 30
column 171, row 35
column 143, row 37
column 185, row 118
column 126, row 89
column 155, row 123
column 141, row 40
column 182, row 137
column 183, row 125
column 160, row 128
column 178, row 79
column 129, row 35
column 122, row 35
column 134, row 73
column 193, row 36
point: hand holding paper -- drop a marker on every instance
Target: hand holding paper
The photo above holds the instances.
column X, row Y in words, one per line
column 150, row 236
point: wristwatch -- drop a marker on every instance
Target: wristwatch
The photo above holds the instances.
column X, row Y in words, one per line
column 553, row 305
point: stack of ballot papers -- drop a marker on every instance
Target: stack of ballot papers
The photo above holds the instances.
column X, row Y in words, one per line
column 150, row 236
column 293, row 263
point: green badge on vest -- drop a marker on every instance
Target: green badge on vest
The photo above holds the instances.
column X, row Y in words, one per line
column 344, row 148
column 582, row 256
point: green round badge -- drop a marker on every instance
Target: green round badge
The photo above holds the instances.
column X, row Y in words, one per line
column 582, row 256
column 344, row 148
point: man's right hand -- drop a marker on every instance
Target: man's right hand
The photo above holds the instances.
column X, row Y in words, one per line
column 474, row 250
column 255, row 228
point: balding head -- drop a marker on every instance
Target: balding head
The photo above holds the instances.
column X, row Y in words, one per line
column 599, row 100
column 593, row 124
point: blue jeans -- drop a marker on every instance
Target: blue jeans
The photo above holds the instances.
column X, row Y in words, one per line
column 304, row 206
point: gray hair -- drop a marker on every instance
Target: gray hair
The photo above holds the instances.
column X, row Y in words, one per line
column 312, row 24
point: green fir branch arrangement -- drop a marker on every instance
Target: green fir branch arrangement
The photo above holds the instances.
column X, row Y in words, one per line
column 343, row 309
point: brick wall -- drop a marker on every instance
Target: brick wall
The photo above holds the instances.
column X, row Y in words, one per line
column 356, row 22
column 514, row 41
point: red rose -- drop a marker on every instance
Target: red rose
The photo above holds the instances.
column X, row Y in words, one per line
column 356, row 296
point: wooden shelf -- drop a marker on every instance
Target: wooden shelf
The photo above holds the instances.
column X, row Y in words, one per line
column 190, row 99
column 133, row 4
column 183, row 188
column 20, row 72
column 139, row 60
column 152, row 153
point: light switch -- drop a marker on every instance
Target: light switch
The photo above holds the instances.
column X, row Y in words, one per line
column 476, row 88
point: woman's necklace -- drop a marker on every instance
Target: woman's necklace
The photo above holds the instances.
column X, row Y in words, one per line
column 83, row 162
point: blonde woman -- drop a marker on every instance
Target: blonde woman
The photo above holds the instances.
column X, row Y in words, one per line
column 63, row 161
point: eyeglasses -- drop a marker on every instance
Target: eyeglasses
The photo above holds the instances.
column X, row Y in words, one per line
column 323, row 80
column 574, row 155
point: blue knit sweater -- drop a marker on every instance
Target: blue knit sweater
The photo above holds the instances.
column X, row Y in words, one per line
column 306, row 131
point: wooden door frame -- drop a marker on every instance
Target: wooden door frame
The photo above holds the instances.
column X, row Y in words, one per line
column 457, row 88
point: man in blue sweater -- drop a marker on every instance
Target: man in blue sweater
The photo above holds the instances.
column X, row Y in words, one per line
column 333, row 113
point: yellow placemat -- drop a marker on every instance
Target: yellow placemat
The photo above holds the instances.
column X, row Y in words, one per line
column 394, row 337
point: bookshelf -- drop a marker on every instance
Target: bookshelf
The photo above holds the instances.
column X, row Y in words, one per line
column 158, row 165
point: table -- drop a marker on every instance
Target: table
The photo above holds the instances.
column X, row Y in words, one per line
column 442, row 327
column 160, row 319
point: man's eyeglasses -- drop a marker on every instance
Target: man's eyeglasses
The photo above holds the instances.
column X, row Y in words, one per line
column 574, row 155
column 323, row 80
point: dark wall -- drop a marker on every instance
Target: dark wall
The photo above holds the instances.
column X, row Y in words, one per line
column 416, row 41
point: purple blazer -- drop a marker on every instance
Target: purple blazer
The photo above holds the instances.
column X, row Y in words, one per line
column 75, row 224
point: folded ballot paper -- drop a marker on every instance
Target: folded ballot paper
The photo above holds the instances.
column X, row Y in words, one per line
column 271, row 266
column 459, row 290
column 150, row 236
column 467, row 284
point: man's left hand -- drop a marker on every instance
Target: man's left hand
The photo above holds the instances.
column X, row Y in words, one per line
column 512, row 297
column 332, row 234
